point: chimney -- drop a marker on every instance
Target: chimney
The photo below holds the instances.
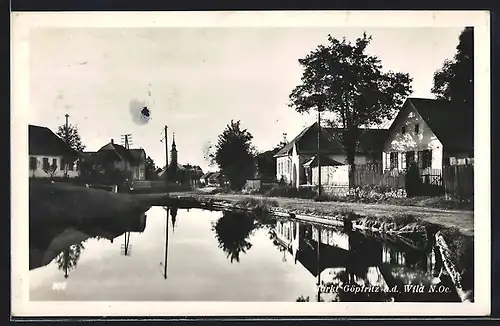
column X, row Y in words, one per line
column 112, row 141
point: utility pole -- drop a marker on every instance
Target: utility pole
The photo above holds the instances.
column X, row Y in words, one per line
column 126, row 140
column 319, row 152
column 166, row 245
column 66, row 135
column 318, row 262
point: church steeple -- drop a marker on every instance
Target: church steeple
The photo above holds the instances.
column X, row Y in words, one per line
column 174, row 147
column 173, row 153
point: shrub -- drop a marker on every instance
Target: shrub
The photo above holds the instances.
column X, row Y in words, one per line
column 284, row 190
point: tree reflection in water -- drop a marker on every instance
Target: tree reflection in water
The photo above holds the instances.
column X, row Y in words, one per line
column 232, row 232
column 68, row 259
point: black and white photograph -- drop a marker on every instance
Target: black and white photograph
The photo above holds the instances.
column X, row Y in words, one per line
column 236, row 160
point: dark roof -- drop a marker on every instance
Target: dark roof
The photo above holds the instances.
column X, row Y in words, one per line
column 136, row 153
column 453, row 124
column 325, row 161
column 42, row 141
column 216, row 176
column 370, row 140
column 306, row 142
column 206, row 175
column 113, row 151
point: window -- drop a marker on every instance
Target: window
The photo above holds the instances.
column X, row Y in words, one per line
column 425, row 159
column 417, row 128
column 77, row 165
column 409, row 158
column 70, row 166
column 54, row 162
column 33, row 163
column 394, row 160
column 403, row 130
column 45, row 162
column 62, row 165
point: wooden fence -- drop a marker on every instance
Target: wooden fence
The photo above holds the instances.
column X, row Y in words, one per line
column 455, row 181
column 458, row 181
column 374, row 175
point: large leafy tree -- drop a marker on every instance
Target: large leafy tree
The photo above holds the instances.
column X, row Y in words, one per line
column 266, row 163
column 71, row 136
column 349, row 84
column 151, row 169
column 455, row 80
column 234, row 154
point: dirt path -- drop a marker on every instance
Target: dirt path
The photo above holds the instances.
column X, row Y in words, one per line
column 463, row 220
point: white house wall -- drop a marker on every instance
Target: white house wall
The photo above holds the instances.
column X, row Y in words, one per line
column 410, row 141
column 284, row 168
column 332, row 175
column 40, row 173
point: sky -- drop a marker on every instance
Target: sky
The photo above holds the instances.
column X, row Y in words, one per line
column 196, row 80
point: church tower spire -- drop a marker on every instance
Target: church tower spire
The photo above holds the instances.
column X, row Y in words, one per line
column 173, row 153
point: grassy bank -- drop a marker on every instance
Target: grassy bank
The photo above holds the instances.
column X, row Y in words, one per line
column 459, row 219
column 64, row 203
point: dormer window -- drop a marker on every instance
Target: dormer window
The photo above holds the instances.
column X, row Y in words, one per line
column 417, row 128
column 403, row 130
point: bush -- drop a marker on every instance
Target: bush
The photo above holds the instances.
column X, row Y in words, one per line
column 284, row 190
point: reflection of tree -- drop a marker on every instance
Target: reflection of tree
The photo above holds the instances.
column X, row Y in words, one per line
column 67, row 260
column 232, row 231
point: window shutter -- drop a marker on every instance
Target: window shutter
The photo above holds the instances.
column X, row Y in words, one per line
column 420, row 159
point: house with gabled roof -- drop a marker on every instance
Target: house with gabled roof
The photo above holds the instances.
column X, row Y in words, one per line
column 46, row 149
column 431, row 133
column 296, row 160
column 112, row 155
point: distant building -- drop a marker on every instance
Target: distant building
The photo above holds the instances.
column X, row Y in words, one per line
column 180, row 173
column 431, row 133
column 296, row 160
column 113, row 156
column 204, row 178
column 47, row 149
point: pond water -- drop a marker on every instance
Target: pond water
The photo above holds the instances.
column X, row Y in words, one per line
column 200, row 255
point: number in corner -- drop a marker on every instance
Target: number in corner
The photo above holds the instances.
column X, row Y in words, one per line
column 58, row 286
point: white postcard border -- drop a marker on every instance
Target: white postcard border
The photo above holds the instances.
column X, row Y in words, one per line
column 22, row 23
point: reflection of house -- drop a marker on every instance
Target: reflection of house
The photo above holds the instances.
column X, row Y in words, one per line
column 46, row 149
column 303, row 148
column 431, row 133
column 115, row 156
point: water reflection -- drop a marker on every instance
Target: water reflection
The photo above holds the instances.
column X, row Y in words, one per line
column 278, row 260
column 173, row 214
column 233, row 231
column 65, row 244
column 68, row 259
column 350, row 266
